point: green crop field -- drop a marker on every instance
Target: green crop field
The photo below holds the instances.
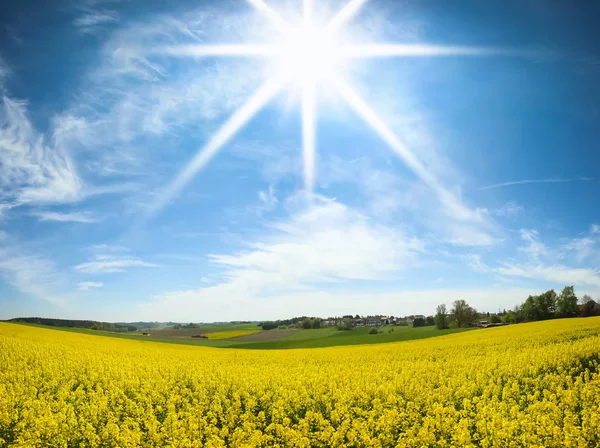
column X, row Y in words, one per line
column 330, row 337
column 273, row 339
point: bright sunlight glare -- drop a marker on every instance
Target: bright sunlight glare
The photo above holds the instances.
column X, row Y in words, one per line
column 305, row 56
column 308, row 53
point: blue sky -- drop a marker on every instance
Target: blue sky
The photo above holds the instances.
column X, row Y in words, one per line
column 95, row 124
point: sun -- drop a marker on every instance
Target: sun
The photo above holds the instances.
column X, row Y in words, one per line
column 309, row 54
column 305, row 56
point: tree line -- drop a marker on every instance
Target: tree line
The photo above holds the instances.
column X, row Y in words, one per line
column 304, row 322
column 71, row 323
column 548, row 305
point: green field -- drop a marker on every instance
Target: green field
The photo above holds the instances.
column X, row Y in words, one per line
column 325, row 337
column 329, row 337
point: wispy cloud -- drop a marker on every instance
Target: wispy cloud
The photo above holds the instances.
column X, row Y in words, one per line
column 268, row 198
column 582, row 248
column 595, row 228
column 104, row 264
column 93, row 18
column 537, row 181
column 92, row 14
column 509, row 210
column 33, row 172
column 86, row 286
column 552, row 269
column 475, row 263
column 4, row 72
column 31, row 274
column 535, row 248
column 100, row 248
column 81, row 217
column 557, row 274
column 391, row 197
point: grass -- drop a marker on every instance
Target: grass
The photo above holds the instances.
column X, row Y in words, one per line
column 330, row 337
column 324, row 337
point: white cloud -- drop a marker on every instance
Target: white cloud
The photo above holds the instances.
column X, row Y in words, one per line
column 595, row 228
column 475, row 263
column 31, row 171
column 535, row 248
column 81, row 217
column 268, row 198
column 91, row 19
column 582, row 248
column 31, row 274
column 468, row 235
column 323, row 242
column 103, row 264
column 390, row 197
column 86, row 286
column 557, row 274
column 509, row 210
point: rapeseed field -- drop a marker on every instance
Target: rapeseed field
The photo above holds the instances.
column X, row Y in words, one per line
column 230, row 334
column 532, row 384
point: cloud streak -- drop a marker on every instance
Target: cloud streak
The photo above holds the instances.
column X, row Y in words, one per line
column 86, row 286
column 107, row 264
column 537, row 181
column 81, row 217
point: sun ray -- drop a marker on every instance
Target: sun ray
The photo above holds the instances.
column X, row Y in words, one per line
column 388, row 136
column 308, row 133
column 345, row 14
column 277, row 20
column 307, row 54
column 418, row 50
column 249, row 50
column 239, row 118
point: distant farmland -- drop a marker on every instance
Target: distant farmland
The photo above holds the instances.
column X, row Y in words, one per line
column 250, row 336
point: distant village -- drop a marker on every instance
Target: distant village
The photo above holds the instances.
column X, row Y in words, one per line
column 374, row 321
column 348, row 321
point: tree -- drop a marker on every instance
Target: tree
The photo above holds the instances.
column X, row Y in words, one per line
column 510, row 317
column 529, row 310
column 429, row 321
column 346, row 324
column 585, row 299
column 566, row 303
column 495, row 319
column 441, row 320
column 590, row 308
column 418, row 322
column 546, row 304
column 462, row 313
column 269, row 325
